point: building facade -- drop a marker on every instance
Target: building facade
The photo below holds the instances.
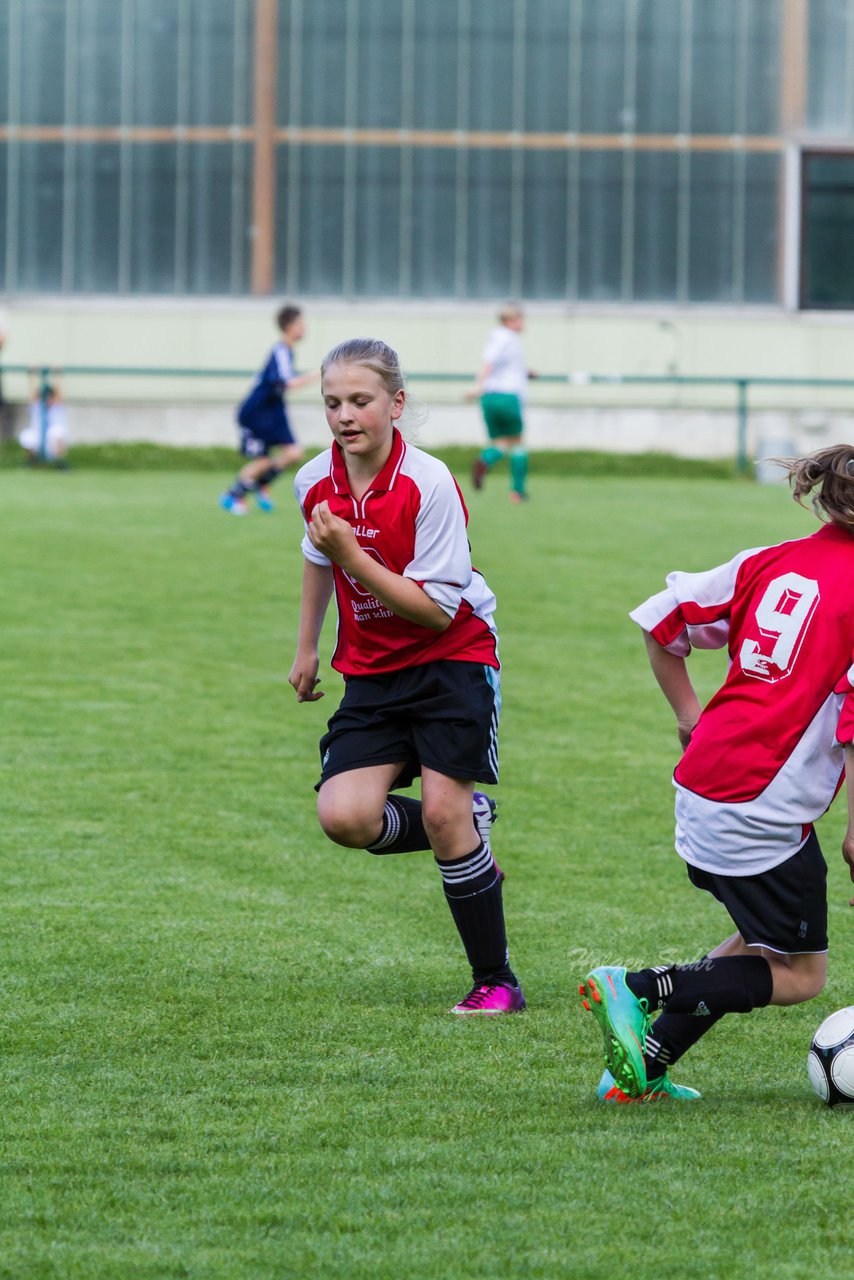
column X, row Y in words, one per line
column 592, row 151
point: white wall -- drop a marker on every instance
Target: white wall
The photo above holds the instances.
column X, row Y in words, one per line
column 222, row 334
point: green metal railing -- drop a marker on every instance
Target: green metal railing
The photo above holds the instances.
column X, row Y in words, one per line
column 741, row 385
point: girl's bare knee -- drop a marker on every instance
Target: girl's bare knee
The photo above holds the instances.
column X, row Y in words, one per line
column 816, row 985
column 353, row 830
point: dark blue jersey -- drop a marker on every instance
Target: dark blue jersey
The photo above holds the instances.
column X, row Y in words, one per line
column 263, row 411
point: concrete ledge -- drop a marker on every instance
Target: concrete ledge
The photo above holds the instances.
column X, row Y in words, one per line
column 688, row 433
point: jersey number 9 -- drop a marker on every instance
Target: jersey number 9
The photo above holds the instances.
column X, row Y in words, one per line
column 782, row 616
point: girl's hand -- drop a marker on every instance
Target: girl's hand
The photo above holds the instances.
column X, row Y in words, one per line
column 848, row 855
column 331, row 535
column 685, row 729
column 304, row 679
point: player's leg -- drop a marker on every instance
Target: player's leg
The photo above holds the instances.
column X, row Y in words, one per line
column 778, row 956
column 494, row 419
column 351, row 805
column 255, row 450
column 503, row 414
column 518, row 470
column 254, row 471
column 472, row 883
column 373, row 726
column 281, row 457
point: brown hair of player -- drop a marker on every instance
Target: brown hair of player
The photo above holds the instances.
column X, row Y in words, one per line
column 831, row 473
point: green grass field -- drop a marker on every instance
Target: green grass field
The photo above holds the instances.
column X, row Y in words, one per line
column 226, row 1051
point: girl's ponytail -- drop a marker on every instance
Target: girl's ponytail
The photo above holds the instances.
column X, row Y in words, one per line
column 831, row 473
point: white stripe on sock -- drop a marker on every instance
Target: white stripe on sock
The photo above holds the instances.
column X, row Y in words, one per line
column 473, row 867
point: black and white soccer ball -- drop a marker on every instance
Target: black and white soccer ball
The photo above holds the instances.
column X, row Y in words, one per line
column 830, row 1062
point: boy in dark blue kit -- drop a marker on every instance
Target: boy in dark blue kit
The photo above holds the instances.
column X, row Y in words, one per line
column 266, row 439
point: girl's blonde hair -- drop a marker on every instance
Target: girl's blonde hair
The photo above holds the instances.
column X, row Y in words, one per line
column 510, row 311
column 374, row 354
column 831, row 473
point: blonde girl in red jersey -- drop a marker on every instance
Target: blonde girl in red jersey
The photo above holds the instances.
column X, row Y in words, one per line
column 417, row 646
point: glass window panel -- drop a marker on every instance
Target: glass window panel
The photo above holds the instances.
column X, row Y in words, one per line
column 434, row 221
column 656, row 226
column 603, row 57
column 436, row 85
column 212, row 55
column 828, row 84
column 490, row 104
column 377, row 221
column 711, row 227
column 714, row 63
column 324, row 64
column 5, row 55
column 212, row 172
column 321, row 221
column 379, row 69
column 547, row 66
column 152, row 252
column 4, row 171
column 489, row 226
column 763, row 67
column 600, row 221
column 658, row 67
column 762, row 228
column 99, row 45
column 43, row 62
column 39, row 265
column 155, row 63
column 96, row 221
column 828, row 245
column 545, row 185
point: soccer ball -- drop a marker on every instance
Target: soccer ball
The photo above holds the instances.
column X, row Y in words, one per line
column 830, row 1062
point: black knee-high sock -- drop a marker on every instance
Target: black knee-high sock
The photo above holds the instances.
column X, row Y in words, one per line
column 728, row 984
column 403, row 829
column 473, row 892
column 671, row 1036
column 268, row 477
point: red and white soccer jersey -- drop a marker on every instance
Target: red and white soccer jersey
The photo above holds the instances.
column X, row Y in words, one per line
column 413, row 521
column 766, row 757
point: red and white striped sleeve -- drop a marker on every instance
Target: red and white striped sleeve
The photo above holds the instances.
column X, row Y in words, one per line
column 693, row 610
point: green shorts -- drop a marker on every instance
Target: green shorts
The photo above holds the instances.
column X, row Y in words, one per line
column 502, row 414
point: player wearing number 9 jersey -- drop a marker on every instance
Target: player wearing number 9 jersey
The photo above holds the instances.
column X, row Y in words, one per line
column 761, row 763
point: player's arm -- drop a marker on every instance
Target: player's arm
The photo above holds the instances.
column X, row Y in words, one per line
column 302, row 380
column 336, row 540
column 482, row 374
column 316, row 593
column 848, row 838
column 671, row 672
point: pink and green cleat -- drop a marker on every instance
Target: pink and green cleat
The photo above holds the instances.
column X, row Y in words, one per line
column 660, row 1089
column 491, row 997
column 624, row 1021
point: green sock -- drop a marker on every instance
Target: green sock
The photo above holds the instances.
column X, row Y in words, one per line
column 492, row 454
column 518, row 469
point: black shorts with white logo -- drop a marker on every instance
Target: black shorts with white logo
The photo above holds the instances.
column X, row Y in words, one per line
column 442, row 715
column 784, row 909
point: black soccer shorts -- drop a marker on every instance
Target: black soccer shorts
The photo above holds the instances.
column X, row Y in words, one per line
column 442, row 715
column 784, row 909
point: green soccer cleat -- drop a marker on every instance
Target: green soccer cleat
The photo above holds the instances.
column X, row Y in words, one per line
column 624, row 1021
column 657, row 1090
